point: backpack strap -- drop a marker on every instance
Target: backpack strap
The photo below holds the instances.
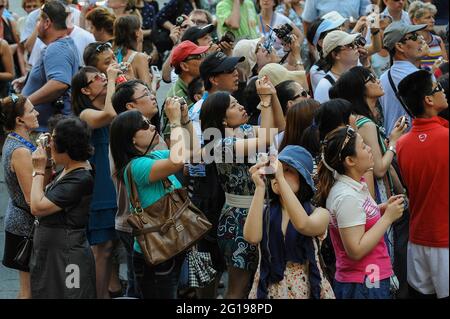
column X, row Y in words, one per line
column 394, row 88
column 330, row 79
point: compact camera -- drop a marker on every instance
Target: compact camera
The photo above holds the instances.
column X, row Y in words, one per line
column 284, row 33
column 228, row 37
column 270, row 160
column 123, row 67
column 179, row 21
column 43, row 140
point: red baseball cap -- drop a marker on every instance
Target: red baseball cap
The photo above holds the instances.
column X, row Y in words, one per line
column 185, row 49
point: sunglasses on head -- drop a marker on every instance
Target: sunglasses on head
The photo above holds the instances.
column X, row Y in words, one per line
column 371, row 78
column 103, row 46
column 350, row 133
column 303, row 94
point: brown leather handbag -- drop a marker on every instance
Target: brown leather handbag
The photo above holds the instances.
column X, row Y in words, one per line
column 167, row 227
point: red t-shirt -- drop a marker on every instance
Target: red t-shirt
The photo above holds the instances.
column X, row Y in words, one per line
column 424, row 162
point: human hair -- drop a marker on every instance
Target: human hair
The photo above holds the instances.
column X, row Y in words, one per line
column 285, row 92
column 443, row 80
column 72, row 136
column 80, row 101
column 326, row 63
column 208, row 15
column 124, row 94
column 10, row 110
column 55, row 10
column 312, row 30
column 194, row 88
column 54, row 119
column 252, row 100
column 125, row 28
column 258, row 7
column 90, row 54
column 418, row 9
column 214, row 110
column 334, row 158
column 298, row 118
column 122, row 130
column 414, row 88
column 327, row 117
column 351, row 87
column 102, row 19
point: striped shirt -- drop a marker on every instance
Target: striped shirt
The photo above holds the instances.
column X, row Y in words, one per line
column 434, row 53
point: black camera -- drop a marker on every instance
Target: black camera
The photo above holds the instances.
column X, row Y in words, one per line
column 228, row 37
column 179, row 21
column 284, row 33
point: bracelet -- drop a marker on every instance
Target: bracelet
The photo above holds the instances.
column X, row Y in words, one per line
column 265, row 106
column 376, row 32
column 186, row 123
column 174, row 125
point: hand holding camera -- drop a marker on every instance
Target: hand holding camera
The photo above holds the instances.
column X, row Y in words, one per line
column 395, row 207
column 39, row 156
column 173, row 110
column 113, row 70
column 269, row 164
column 399, row 129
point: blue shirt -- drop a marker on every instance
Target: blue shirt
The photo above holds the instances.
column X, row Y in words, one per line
column 59, row 62
column 392, row 109
column 347, row 8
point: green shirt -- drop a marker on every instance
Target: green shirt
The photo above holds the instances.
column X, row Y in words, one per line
column 148, row 192
column 248, row 28
column 178, row 89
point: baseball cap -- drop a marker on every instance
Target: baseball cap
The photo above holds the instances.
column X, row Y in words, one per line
column 185, row 49
column 57, row 12
column 278, row 73
column 218, row 62
column 396, row 31
column 195, row 32
column 332, row 20
column 301, row 160
column 337, row 38
column 247, row 49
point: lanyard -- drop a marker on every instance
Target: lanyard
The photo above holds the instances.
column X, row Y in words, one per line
column 22, row 140
column 271, row 25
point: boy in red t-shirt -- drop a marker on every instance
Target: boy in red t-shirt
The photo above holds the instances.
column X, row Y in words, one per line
column 423, row 157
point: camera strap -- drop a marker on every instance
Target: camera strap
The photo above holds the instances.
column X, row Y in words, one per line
column 394, row 88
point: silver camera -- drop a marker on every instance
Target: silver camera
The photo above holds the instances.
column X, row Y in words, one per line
column 123, row 67
column 43, row 140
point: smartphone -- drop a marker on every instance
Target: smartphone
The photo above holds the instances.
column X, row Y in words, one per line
column 156, row 77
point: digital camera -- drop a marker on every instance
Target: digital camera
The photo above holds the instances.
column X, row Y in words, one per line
column 43, row 140
column 284, row 33
column 179, row 21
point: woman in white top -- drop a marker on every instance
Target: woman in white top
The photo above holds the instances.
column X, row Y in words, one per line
column 394, row 9
column 268, row 16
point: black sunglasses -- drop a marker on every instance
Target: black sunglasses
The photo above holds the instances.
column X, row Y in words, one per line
column 348, row 136
column 437, row 89
column 303, row 94
column 414, row 36
column 145, row 125
column 371, row 78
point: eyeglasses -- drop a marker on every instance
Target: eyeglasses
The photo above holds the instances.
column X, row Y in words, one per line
column 146, row 93
column 437, row 89
column 414, row 36
column 194, row 57
column 145, row 125
column 97, row 77
column 103, row 46
column 303, row 94
column 348, row 136
column 371, row 78
column 200, row 22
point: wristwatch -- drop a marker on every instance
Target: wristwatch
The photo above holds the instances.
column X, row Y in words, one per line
column 35, row 173
column 392, row 149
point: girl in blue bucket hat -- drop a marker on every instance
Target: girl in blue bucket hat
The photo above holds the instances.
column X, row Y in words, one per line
column 287, row 230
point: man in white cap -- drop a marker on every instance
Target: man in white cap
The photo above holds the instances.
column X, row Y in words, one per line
column 341, row 53
column 405, row 47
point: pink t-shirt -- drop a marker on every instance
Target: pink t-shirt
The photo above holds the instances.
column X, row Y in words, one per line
column 350, row 204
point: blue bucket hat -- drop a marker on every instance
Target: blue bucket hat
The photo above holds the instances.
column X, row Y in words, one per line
column 300, row 159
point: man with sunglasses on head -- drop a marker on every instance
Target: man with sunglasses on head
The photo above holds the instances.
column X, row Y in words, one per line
column 423, row 157
column 48, row 83
column 405, row 47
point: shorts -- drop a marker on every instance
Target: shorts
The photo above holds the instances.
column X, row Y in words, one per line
column 351, row 290
column 428, row 269
column 12, row 245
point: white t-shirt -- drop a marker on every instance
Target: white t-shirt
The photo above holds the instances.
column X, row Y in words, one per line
column 321, row 93
column 315, row 76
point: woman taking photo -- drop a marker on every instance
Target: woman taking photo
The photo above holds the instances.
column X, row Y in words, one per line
column 128, row 38
column 287, row 230
column 358, row 224
column 60, row 246
column 232, row 156
column 19, row 118
column 91, row 102
column 132, row 140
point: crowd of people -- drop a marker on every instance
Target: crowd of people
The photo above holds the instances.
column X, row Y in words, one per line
column 313, row 136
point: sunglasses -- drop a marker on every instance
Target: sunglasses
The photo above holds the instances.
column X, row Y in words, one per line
column 103, row 46
column 413, row 37
column 371, row 78
column 348, row 136
column 14, row 97
column 360, row 41
column 194, row 57
column 200, row 22
column 97, row 77
column 303, row 94
column 437, row 89
column 146, row 124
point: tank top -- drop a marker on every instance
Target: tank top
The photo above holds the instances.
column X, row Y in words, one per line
column 434, row 53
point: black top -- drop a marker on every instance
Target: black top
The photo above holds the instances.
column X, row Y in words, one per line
column 73, row 193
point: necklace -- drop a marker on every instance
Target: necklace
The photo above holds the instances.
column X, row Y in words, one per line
column 19, row 138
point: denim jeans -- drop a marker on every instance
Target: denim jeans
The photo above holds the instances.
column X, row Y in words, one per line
column 158, row 282
column 127, row 240
column 350, row 290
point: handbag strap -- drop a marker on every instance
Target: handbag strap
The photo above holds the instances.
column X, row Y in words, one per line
column 134, row 195
column 394, row 88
